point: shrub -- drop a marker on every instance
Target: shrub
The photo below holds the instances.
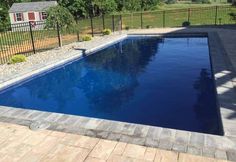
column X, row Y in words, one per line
column 106, row 32
column 202, row 1
column 127, row 28
column 186, row 23
column 206, row 1
column 17, row 58
column 232, row 16
column 170, row 1
column 148, row 26
column 86, row 38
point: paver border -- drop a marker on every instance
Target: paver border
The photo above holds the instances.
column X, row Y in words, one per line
column 223, row 147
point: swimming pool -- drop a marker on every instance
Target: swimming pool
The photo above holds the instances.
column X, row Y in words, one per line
column 155, row 81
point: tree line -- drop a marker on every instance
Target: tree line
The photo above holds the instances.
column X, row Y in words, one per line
column 84, row 8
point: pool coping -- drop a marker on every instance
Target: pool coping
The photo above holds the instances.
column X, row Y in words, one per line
column 223, row 147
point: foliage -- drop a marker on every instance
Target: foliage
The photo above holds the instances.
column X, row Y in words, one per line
column 170, row 1
column 148, row 26
column 186, row 23
column 105, row 6
column 202, row 1
column 4, row 19
column 86, row 38
column 17, row 59
column 132, row 5
column 60, row 15
column 233, row 16
column 206, row 1
column 149, row 4
column 106, row 32
column 78, row 8
column 127, row 28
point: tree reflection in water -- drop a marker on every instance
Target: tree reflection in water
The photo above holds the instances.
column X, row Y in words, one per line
column 113, row 76
column 106, row 80
column 206, row 102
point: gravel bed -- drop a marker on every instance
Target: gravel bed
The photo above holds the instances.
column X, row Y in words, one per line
column 38, row 60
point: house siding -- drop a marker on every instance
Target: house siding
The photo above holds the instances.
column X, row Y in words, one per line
column 25, row 27
column 26, row 18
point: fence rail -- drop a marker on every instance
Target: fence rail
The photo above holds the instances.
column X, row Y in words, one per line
column 31, row 37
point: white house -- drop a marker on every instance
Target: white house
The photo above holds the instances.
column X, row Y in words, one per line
column 29, row 12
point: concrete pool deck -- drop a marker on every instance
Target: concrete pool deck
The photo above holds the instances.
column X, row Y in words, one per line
column 223, row 57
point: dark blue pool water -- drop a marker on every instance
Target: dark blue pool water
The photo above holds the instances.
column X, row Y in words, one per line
column 161, row 82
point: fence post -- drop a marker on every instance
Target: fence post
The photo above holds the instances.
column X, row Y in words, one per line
column 121, row 22
column 164, row 19
column 91, row 23
column 32, row 37
column 113, row 23
column 141, row 16
column 103, row 21
column 59, row 35
column 189, row 11
column 216, row 15
column 77, row 31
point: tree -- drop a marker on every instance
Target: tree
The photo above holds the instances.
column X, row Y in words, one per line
column 132, row 5
column 76, row 7
column 60, row 15
column 105, row 6
column 149, row 4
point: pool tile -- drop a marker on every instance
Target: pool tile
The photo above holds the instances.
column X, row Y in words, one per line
column 197, row 140
column 208, row 152
column 219, row 154
column 179, row 147
column 182, row 137
column 194, row 150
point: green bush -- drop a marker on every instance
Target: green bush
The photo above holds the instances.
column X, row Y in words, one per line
column 86, row 38
column 148, row 26
column 17, row 58
column 232, row 16
column 206, row 1
column 202, row 1
column 106, row 32
column 127, row 28
column 186, row 23
column 170, row 1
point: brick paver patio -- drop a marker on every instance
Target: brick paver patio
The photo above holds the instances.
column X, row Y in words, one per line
column 19, row 143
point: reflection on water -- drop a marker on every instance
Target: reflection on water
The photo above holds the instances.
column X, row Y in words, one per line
column 148, row 81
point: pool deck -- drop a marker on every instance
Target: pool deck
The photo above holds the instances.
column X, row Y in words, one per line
column 223, row 57
column 18, row 143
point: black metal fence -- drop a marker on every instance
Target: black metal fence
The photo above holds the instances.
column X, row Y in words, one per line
column 31, row 37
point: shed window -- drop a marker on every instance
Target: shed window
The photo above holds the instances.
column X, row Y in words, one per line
column 19, row 17
column 44, row 15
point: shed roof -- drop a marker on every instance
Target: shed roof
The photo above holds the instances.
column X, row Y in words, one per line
column 32, row 6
